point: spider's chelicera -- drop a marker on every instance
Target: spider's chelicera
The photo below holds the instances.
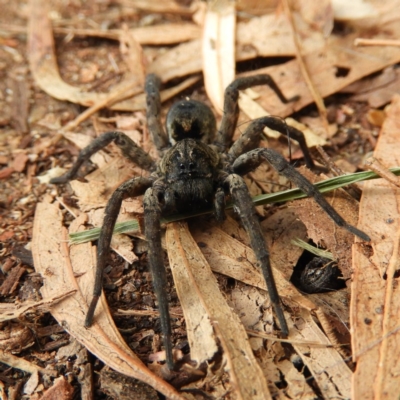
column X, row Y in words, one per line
column 199, row 167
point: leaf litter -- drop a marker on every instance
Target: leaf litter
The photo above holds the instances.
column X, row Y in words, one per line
column 334, row 64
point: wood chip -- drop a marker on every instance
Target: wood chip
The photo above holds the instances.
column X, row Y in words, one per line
column 12, row 280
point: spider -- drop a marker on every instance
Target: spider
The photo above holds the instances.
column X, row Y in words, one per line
column 199, row 166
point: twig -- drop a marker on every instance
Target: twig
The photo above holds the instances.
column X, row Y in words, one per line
column 295, row 342
column 23, row 365
column 374, row 165
column 352, row 189
column 44, row 304
column 376, row 42
column 112, row 98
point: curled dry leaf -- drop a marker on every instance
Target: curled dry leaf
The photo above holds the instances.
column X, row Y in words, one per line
column 375, row 301
column 58, row 268
column 43, row 65
column 333, row 64
column 42, row 59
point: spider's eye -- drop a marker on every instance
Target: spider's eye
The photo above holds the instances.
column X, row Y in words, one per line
column 182, row 166
column 191, row 166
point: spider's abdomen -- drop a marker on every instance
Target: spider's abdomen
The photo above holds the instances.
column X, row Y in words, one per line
column 189, row 170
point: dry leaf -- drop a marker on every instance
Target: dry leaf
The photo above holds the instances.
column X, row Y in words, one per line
column 331, row 373
column 44, row 69
column 59, row 268
column 230, row 257
column 218, row 50
column 375, row 301
column 199, row 280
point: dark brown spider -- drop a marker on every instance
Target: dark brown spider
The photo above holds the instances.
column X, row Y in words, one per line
column 194, row 174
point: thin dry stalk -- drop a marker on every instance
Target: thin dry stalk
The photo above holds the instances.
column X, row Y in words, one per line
column 374, row 165
column 376, row 42
column 304, row 70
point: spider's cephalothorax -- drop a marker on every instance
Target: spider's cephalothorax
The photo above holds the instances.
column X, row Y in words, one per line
column 190, row 170
column 196, row 173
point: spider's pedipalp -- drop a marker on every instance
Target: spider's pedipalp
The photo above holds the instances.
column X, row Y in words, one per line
column 251, row 160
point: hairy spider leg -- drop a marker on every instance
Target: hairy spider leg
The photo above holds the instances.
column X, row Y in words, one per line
column 153, row 113
column 231, row 107
column 132, row 188
column 249, row 161
column 129, row 149
column 251, row 137
column 152, row 229
column 246, row 210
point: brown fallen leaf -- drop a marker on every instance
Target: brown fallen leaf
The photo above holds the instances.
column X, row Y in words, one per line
column 196, row 284
column 43, row 65
column 378, row 89
column 375, row 301
column 328, row 368
column 58, row 268
column 61, row 390
column 333, row 64
column 19, row 162
column 162, row 34
column 12, row 311
column 230, row 257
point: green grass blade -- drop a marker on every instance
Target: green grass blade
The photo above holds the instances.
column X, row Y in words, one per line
column 312, row 249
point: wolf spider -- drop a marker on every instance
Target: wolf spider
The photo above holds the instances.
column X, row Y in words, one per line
column 199, row 166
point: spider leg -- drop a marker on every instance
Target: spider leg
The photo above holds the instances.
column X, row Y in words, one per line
column 152, row 214
column 249, row 161
column 132, row 188
column 219, row 205
column 231, row 108
column 247, row 213
column 250, row 139
column 128, row 147
column 153, row 112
